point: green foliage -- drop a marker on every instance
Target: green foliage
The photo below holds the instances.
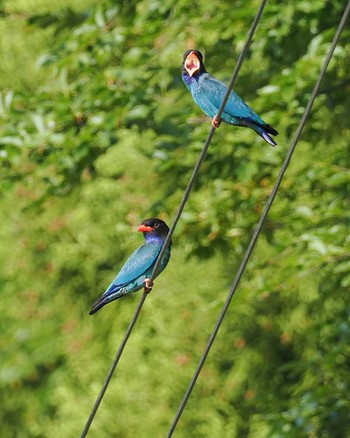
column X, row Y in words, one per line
column 98, row 132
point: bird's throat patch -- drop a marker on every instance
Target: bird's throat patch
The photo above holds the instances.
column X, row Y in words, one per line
column 192, row 64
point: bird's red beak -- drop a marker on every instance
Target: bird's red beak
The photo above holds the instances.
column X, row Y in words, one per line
column 192, row 64
column 144, row 228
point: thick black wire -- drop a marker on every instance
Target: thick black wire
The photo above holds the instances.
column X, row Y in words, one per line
column 173, row 226
column 260, row 223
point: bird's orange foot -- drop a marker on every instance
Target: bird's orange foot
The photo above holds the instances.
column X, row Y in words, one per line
column 147, row 286
column 215, row 123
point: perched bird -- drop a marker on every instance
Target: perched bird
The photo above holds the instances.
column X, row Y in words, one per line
column 208, row 93
column 139, row 266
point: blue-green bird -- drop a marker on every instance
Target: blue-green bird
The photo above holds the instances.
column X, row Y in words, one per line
column 208, row 93
column 136, row 271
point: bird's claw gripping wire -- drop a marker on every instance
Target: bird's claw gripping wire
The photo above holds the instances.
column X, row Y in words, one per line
column 215, row 123
column 147, row 286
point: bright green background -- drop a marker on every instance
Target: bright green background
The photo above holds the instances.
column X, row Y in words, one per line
column 98, row 132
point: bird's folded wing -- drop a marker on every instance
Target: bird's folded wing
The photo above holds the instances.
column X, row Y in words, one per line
column 215, row 92
column 139, row 261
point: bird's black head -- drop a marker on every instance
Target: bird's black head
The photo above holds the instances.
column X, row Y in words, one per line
column 154, row 228
column 193, row 62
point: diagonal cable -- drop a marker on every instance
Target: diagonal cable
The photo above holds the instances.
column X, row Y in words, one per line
column 113, row 366
column 260, row 223
column 210, row 135
column 173, row 226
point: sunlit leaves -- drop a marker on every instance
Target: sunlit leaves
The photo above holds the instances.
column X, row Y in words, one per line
column 98, row 132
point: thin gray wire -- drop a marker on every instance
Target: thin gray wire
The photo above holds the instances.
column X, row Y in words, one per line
column 173, row 226
column 260, row 224
column 210, row 135
column 113, row 367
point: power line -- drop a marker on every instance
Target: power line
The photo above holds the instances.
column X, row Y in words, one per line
column 210, row 135
column 176, row 219
column 113, row 367
column 260, row 223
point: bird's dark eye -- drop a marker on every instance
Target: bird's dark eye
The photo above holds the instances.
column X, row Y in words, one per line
column 156, row 224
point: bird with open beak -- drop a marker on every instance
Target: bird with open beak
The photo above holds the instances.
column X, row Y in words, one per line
column 208, row 93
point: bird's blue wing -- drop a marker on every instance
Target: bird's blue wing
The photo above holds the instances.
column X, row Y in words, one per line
column 139, row 261
column 131, row 277
column 210, row 93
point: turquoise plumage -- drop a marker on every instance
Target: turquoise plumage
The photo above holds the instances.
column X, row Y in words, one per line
column 138, row 268
column 208, row 93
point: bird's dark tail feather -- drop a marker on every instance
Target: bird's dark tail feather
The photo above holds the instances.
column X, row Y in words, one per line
column 270, row 129
column 97, row 305
column 263, row 131
column 102, row 301
column 112, row 293
column 266, row 136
